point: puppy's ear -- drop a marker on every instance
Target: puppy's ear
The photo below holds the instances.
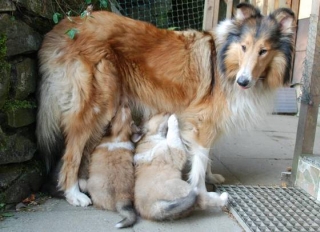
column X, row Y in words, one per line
column 136, row 137
column 135, row 128
column 136, row 133
column 285, row 18
column 245, row 11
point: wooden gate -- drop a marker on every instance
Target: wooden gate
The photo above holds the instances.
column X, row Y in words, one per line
column 215, row 10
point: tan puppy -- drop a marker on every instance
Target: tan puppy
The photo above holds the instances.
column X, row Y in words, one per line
column 160, row 192
column 111, row 172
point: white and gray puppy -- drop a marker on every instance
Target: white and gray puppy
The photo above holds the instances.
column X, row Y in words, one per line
column 160, row 192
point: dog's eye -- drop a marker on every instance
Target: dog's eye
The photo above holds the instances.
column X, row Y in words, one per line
column 262, row 51
column 244, row 48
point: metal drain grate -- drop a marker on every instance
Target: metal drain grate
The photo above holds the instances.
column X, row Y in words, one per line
column 260, row 208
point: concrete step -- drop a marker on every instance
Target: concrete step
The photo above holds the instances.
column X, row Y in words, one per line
column 308, row 175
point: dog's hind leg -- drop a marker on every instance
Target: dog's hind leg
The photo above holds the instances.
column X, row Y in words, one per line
column 68, row 179
column 97, row 97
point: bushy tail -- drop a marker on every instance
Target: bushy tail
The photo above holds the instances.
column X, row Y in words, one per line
column 177, row 208
column 49, row 136
column 126, row 210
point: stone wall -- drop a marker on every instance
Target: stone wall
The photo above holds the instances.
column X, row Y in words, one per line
column 22, row 25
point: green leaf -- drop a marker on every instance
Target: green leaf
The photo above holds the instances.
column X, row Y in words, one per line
column 56, row 17
column 7, row 214
column 71, row 33
column 69, row 13
column 83, row 14
column 173, row 28
column 88, row 2
column 103, row 3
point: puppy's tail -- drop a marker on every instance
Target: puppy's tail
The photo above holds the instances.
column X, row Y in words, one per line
column 126, row 210
column 174, row 209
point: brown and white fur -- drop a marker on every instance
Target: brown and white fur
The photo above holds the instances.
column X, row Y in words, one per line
column 111, row 171
column 214, row 81
column 160, row 193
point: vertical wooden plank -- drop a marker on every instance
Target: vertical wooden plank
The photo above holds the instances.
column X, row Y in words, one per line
column 253, row 2
column 276, row 4
column 216, row 13
column 265, row 7
column 310, row 104
column 295, row 5
column 270, row 6
column 287, row 4
column 209, row 6
column 229, row 8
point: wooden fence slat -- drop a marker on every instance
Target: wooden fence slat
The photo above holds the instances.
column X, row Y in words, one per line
column 271, row 6
column 209, row 6
column 253, row 2
column 265, row 7
column 287, row 3
column 216, row 13
column 211, row 9
column 295, row 4
column 229, row 8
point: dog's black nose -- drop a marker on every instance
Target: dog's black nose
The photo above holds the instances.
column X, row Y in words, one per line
column 243, row 81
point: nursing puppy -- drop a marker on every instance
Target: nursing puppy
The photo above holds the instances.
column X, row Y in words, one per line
column 111, row 172
column 160, row 193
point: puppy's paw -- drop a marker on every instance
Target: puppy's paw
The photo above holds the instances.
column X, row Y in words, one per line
column 219, row 200
column 224, row 198
column 173, row 122
column 209, row 200
column 214, row 178
column 77, row 198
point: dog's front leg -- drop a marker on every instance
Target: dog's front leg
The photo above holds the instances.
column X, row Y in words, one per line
column 212, row 178
column 199, row 160
column 198, row 135
column 197, row 141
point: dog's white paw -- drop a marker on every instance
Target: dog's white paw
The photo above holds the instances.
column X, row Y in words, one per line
column 214, row 178
column 77, row 198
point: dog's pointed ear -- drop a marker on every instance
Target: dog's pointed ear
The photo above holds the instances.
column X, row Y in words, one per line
column 245, row 11
column 285, row 18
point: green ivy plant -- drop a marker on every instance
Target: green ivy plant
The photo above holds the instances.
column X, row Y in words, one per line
column 83, row 13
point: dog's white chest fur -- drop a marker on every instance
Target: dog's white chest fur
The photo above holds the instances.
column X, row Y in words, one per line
column 248, row 107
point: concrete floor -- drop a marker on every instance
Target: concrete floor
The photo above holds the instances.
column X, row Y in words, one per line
column 257, row 156
column 253, row 157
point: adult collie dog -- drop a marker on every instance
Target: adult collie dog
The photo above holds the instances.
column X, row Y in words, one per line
column 214, row 81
